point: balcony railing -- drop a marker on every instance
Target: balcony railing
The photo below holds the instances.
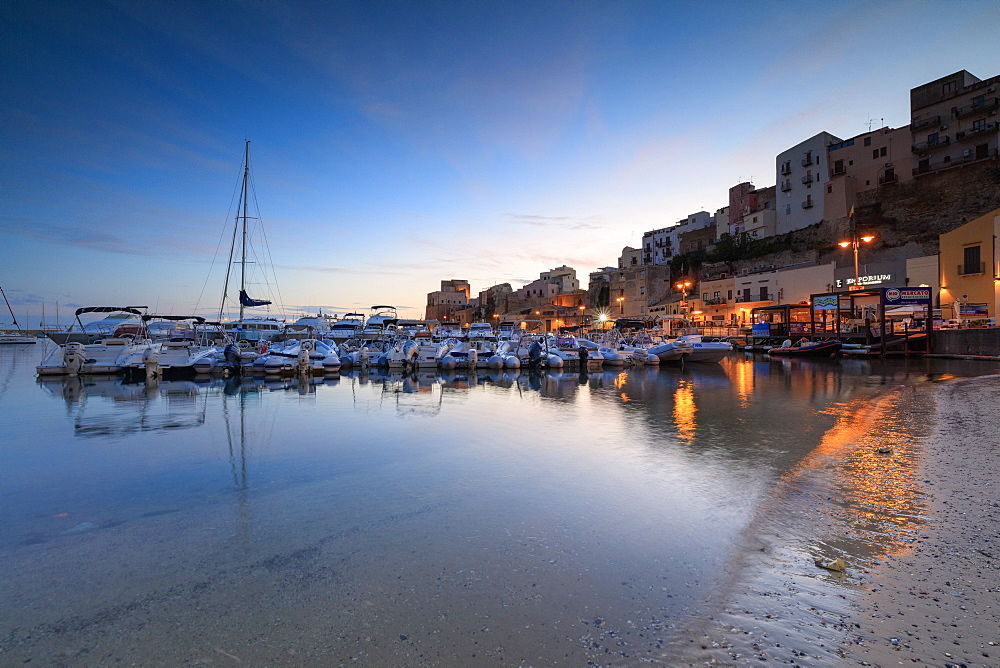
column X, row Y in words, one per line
column 786, row 186
column 887, row 178
column 930, row 143
column 920, row 125
column 806, row 161
column 956, row 162
column 974, row 132
column 970, row 269
column 807, row 204
column 719, row 301
column 808, row 178
column 786, row 169
column 971, row 109
column 839, row 171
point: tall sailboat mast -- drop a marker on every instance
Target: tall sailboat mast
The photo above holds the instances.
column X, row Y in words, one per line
column 246, row 191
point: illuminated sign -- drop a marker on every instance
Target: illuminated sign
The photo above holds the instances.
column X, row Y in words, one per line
column 825, row 303
column 871, row 279
column 906, row 296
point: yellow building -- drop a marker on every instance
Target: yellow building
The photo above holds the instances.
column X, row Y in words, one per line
column 970, row 270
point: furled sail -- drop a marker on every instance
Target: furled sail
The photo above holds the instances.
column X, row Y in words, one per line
column 245, row 300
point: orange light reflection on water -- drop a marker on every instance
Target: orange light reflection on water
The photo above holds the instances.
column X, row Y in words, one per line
column 684, row 411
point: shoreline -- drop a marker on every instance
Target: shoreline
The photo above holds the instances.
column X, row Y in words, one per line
column 919, row 526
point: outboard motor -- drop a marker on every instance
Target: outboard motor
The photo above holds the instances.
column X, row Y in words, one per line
column 232, row 354
column 74, row 357
column 151, row 360
column 584, row 355
column 304, row 363
column 534, row 353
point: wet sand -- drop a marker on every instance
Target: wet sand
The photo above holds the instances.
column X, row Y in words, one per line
column 920, row 532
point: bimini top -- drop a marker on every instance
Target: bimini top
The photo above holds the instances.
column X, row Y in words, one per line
column 110, row 309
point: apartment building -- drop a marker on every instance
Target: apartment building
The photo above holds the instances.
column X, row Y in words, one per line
column 658, row 246
column 970, row 269
column 954, row 121
column 801, row 172
column 564, row 277
column 443, row 304
column 870, row 160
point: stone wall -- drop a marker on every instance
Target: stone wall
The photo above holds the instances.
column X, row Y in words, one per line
column 967, row 342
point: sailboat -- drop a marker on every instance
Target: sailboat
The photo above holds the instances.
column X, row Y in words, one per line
column 245, row 333
column 11, row 337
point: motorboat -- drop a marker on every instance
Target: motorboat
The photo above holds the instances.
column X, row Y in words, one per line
column 251, row 332
column 449, row 330
column 119, row 321
column 308, row 356
column 104, row 356
column 460, row 355
column 380, row 323
column 189, row 348
column 429, row 350
column 348, row 327
column 705, row 351
column 310, row 327
column 813, row 349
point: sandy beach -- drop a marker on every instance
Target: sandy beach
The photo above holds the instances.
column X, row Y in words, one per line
column 923, row 579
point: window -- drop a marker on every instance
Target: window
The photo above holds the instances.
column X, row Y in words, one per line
column 868, row 141
column 730, row 293
column 704, row 297
column 746, row 294
column 973, row 261
column 838, row 167
column 763, row 293
column 948, row 89
column 978, row 101
column 717, row 295
column 882, row 151
column 979, row 125
column 788, row 209
column 829, row 190
column 875, row 154
column 932, row 139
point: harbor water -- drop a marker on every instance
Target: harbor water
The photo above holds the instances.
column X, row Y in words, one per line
column 376, row 518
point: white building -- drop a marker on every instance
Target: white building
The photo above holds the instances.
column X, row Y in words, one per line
column 801, row 172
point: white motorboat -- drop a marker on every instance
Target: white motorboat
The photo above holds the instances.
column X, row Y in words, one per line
column 308, row 356
column 461, row 355
column 192, row 346
column 119, row 321
column 310, row 327
column 104, row 356
column 348, row 327
column 381, row 324
column 679, row 330
column 429, row 350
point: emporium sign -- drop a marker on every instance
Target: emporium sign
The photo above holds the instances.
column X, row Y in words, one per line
column 906, row 296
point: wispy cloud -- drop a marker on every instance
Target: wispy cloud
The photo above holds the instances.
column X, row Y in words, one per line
column 562, row 222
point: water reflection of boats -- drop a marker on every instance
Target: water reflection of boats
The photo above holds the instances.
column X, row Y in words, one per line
column 96, row 404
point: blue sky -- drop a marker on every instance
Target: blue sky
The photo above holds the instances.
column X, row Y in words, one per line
column 395, row 144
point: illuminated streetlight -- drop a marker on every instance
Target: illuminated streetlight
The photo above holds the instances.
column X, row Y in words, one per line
column 854, row 243
column 621, row 304
column 683, row 287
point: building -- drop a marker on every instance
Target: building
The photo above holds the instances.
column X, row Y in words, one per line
column 564, row 277
column 953, row 121
column 868, row 161
column 658, row 246
column 443, row 304
column 970, row 269
column 801, row 172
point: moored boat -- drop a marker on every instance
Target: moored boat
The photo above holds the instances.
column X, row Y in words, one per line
column 815, row 349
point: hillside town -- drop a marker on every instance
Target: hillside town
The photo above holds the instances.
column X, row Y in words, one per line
column 911, row 206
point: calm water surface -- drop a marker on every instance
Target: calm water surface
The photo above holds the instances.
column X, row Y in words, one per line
column 391, row 520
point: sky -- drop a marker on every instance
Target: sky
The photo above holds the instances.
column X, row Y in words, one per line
column 396, row 144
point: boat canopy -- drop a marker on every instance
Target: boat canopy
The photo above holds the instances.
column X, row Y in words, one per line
column 110, row 309
column 196, row 318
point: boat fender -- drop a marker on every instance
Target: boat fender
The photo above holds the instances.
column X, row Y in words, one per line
column 263, row 347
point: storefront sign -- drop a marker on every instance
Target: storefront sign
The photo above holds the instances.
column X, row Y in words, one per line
column 762, row 329
column 825, row 303
column 906, row 296
column 973, row 309
column 864, row 281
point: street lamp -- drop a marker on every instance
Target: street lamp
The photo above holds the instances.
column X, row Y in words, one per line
column 854, row 243
column 621, row 305
column 683, row 287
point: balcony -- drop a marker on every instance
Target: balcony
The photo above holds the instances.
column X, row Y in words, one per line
column 786, row 169
column 806, row 161
column 786, row 186
column 973, row 156
column 930, row 143
column 718, row 301
column 807, row 204
column 974, row 132
column 969, row 110
column 839, row 171
column 887, row 178
column 920, row 125
column 971, row 269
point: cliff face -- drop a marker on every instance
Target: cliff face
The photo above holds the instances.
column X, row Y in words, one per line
column 906, row 220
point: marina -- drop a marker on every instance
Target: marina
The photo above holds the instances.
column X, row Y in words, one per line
column 430, row 517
